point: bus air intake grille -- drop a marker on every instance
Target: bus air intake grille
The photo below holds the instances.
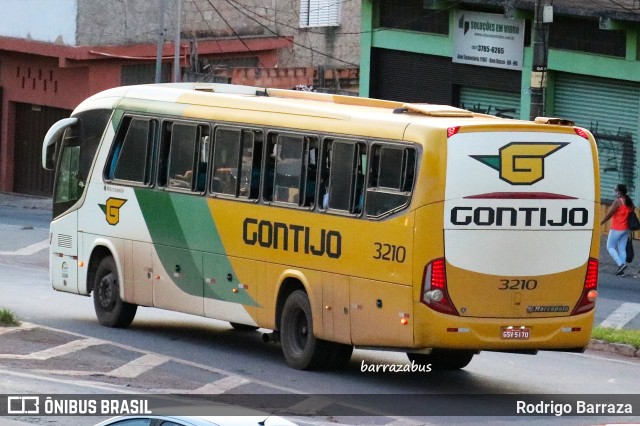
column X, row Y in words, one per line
column 65, row 241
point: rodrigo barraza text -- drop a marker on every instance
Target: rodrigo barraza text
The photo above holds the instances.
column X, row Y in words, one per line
column 577, row 408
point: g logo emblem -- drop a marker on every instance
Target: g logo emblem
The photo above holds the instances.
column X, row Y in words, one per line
column 112, row 210
column 521, row 163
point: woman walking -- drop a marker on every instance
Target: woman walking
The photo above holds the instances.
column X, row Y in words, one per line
column 619, row 232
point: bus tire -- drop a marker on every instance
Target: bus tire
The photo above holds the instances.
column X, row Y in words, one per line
column 110, row 309
column 443, row 359
column 243, row 327
column 300, row 347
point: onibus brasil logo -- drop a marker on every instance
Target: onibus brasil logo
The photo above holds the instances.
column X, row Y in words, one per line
column 521, row 163
column 111, row 209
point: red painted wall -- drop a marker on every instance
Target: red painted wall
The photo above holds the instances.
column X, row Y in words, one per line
column 37, row 80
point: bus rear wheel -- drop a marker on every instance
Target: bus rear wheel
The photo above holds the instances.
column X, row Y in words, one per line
column 110, row 309
column 443, row 359
column 300, row 347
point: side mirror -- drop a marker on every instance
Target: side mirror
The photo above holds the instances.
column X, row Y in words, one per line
column 51, row 140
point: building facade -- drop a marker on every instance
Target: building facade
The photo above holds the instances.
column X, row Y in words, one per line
column 496, row 56
column 55, row 54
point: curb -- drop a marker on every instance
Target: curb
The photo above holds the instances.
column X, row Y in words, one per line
column 614, row 348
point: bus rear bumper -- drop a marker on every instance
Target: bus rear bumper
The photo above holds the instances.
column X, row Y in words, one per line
column 570, row 333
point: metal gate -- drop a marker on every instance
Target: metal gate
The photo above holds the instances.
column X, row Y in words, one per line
column 487, row 101
column 32, row 123
column 414, row 77
column 610, row 110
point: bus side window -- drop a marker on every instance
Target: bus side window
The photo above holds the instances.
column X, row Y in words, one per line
column 342, row 177
column 183, row 156
column 131, row 154
column 391, row 174
column 236, row 162
column 310, row 178
column 226, row 160
column 256, row 161
column 286, row 168
column 203, row 159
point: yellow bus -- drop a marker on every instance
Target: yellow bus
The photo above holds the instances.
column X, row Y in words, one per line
column 335, row 221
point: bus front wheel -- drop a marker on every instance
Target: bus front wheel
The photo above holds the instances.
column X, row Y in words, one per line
column 111, row 310
column 443, row 359
column 300, row 347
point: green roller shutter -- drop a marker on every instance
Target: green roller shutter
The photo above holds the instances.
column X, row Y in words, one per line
column 488, row 101
column 610, row 110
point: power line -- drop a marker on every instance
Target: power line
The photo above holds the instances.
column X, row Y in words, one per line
column 398, row 26
column 230, row 3
column 233, row 31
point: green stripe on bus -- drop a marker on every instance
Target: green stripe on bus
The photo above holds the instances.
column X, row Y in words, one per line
column 188, row 244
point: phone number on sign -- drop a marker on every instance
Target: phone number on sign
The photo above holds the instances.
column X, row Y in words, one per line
column 489, row 49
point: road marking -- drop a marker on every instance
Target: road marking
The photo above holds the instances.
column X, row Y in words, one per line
column 28, row 250
column 138, row 366
column 67, row 348
column 621, row 316
column 56, row 351
column 105, row 387
column 222, row 385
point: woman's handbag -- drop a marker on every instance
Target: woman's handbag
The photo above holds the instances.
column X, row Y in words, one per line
column 632, row 221
column 630, row 252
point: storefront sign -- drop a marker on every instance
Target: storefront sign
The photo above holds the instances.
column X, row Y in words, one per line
column 488, row 40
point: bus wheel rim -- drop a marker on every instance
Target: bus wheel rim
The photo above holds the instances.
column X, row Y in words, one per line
column 301, row 330
column 107, row 291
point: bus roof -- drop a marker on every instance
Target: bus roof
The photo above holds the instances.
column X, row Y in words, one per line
column 375, row 114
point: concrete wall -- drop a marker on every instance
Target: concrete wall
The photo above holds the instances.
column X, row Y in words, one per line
column 123, row 22
column 39, row 20
column 328, row 46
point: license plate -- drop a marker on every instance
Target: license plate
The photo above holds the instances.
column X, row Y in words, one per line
column 515, row 333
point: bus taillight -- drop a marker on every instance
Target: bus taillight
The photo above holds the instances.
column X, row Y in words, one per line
column 434, row 288
column 590, row 289
column 581, row 133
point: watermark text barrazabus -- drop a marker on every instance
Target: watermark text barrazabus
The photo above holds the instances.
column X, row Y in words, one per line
column 395, row 368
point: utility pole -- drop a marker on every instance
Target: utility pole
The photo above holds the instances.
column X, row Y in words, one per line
column 176, row 51
column 543, row 15
column 160, row 43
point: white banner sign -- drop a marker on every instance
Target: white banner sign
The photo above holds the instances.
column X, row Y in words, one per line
column 488, row 40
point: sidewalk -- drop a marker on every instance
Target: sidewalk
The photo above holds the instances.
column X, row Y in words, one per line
column 25, row 201
column 608, row 266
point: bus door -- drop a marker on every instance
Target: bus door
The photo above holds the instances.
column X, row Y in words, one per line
column 73, row 142
column 68, row 189
column 335, row 300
